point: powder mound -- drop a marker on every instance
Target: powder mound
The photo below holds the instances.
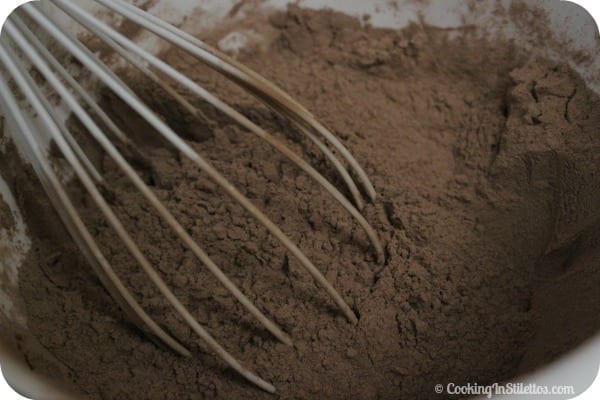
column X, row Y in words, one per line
column 484, row 166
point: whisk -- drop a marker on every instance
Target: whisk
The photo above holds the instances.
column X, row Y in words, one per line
column 25, row 102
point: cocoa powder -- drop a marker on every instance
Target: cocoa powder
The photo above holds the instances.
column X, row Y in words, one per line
column 6, row 218
column 484, row 165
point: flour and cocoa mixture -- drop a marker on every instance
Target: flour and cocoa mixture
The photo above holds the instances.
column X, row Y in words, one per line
column 485, row 165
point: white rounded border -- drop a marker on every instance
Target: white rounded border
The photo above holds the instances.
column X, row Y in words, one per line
column 7, row 6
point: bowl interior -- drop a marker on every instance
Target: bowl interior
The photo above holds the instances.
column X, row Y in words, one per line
column 567, row 33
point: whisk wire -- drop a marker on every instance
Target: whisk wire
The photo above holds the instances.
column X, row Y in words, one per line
column 244, row 76
column 179, row 230
column 29, row 144
column 101, row 202
column 110, row 36
column 81, row 92
column 174, row 139
column 74, row 96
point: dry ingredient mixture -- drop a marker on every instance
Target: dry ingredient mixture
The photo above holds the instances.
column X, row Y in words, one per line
column 5, row 216
column 485, row 164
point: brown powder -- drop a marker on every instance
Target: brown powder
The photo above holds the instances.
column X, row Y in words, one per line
column 484, row 166
column 6, row 218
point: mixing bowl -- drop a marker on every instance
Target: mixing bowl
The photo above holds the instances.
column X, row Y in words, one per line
column 568, row 34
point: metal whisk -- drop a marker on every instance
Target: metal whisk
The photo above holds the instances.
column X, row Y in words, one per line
column 19, row 45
